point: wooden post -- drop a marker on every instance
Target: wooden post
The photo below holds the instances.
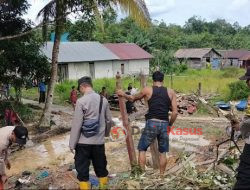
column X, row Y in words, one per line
column 199, row 89
column 143, row 80
column 171, row 79
column 154, row 146
column 129, row 138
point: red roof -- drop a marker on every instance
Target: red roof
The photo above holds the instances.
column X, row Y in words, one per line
column 128, row 51
column 236, row 54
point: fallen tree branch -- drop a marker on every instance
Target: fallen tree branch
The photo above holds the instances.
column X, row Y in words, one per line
column 24, row 33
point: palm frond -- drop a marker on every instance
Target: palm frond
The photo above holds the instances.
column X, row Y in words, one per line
column 47, row 13
column 98, row 16
column 137, row 9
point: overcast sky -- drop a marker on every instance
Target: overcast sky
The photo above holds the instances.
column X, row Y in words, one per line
column 178, row 11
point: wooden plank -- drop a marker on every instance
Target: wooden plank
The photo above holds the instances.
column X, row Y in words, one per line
column 155, row 154
column 179, row 168
column 225, row 169
column 129, row 139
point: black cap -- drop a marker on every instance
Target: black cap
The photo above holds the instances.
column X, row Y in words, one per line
column 86, row 80
column 247, row 75
column 21, row 134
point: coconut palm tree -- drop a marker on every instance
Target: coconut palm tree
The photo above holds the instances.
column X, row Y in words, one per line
column 58, row 10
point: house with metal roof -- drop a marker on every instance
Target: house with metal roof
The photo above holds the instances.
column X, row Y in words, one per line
column 77, row 59
column 235, row 58
column 132, row 59
column 198, row 58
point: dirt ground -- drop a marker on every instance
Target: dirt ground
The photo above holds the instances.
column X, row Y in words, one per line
column 49, row 161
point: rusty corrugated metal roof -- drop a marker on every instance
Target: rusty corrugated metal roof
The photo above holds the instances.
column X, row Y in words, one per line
column 193, row 53
column 241, row 54
column 128, row 51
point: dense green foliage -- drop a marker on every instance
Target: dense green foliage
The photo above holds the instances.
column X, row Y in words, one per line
column 163, row 40
column 238, row 90
column 20, row 58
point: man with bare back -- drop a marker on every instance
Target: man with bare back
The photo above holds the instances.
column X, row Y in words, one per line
column 160, row 101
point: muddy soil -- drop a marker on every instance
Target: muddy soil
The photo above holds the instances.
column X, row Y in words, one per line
column 53, row 155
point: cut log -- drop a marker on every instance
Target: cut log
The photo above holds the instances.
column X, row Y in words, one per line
column 155, row 154
column 129, row 138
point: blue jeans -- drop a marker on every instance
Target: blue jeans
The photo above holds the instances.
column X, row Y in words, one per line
column 154, row 129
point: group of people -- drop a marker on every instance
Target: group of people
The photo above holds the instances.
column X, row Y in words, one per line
column 92, row 121
column 87, row 137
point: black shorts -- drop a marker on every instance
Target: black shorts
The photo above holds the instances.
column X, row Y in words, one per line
column 42, row 97
column 86, row 153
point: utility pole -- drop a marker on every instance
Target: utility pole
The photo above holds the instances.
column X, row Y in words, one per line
column 129, row 138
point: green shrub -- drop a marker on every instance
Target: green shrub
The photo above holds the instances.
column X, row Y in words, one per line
column 238, row 90
column 181, row 68
column 232, row 72
column 63, row 90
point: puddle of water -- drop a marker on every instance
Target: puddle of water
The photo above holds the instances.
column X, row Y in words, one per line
column 54, row 151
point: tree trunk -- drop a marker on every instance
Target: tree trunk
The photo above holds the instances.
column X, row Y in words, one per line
column 18, row 93
column 46, row 116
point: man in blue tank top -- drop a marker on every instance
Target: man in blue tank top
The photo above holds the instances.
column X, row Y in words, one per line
column 160, row 101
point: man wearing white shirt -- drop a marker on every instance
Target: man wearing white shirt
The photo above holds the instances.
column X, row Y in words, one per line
column 9, row 135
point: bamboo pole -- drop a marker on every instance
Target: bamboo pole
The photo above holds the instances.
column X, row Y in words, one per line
column 129, row 138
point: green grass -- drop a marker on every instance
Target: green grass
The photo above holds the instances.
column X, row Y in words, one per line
column 213, row 82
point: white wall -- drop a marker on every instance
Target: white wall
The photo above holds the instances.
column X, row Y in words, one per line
column 131, row 66
column 104, row 69
column 108, row 69
column 137, row 66
column 78, row 70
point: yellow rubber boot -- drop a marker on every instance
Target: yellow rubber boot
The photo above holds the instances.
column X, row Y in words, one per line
column 103, row 182
column 84, row 185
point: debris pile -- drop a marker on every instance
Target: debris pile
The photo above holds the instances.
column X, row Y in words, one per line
column 189, row 172
column 186, row 104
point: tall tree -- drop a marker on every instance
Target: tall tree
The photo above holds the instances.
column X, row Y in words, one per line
column 58, row 10
column 20, row 59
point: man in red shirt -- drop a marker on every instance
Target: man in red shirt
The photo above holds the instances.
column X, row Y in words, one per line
column 73, row 97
